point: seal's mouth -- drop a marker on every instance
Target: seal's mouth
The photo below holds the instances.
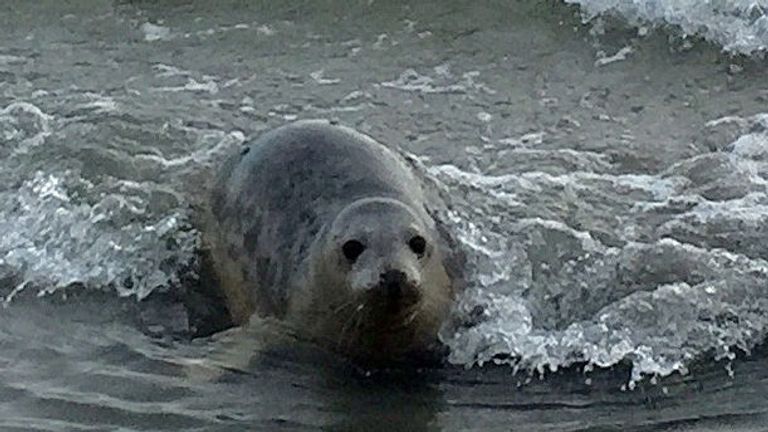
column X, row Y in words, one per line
column 384, row 320
column 391, row 313
column 374, row 322
column 393, row 298
column 395, row 291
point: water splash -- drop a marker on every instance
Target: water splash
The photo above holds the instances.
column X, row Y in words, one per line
column 100, row 217
column 675, row 269
column 56, row 239
column 740, row 26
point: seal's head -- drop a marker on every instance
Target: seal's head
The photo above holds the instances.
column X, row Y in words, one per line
column 380, row 289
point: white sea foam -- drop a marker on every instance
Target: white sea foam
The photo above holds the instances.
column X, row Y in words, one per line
column 738, row 25
column 672, row 274
column 154, row 32
column 59, row 227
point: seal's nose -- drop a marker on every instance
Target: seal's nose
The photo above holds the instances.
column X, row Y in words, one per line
column 393, row 282
column 397, row 288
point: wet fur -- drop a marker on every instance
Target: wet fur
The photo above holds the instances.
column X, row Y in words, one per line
column 267, row 231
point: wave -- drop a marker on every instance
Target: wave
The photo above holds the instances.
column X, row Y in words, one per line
column 585, row 267
column 97, row 217
column 739, row 26
column 568, row 267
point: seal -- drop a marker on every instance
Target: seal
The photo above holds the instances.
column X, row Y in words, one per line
column 337, row 235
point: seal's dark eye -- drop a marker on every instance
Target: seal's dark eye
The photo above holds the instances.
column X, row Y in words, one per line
column 352, row 249
column 418, row 245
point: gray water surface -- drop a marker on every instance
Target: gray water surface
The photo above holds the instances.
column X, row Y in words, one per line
column 613, row 209
column 79, row 367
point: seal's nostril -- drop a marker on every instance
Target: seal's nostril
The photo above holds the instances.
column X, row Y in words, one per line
column 393, row 277
column 394, row 282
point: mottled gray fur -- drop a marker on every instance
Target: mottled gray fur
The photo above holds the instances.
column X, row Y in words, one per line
column 271, row 227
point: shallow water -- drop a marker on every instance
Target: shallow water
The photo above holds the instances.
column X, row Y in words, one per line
column 607, row 181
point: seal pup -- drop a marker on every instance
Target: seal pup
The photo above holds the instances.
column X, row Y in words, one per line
column 335, row 234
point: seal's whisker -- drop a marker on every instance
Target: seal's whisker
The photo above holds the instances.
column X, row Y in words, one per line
column 353, row 317
column 344, row 327
column 344, row 306
column 408, row 320
column 411, row 318
column 356, row 327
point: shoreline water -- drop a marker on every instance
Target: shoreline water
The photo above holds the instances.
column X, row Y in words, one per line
column 610, row 188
